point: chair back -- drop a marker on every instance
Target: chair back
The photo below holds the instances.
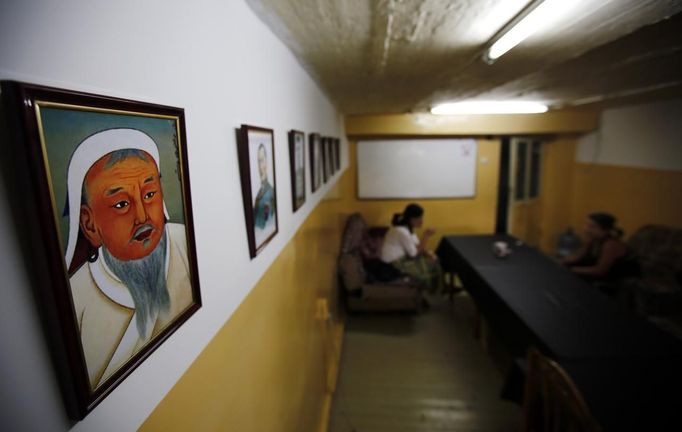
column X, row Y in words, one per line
column 552, row 402
column 354, row 234
column 658, row 249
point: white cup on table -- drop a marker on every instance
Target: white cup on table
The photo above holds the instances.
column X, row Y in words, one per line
column 501, row 249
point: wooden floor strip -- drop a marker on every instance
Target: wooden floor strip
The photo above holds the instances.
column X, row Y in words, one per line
column 419, row 373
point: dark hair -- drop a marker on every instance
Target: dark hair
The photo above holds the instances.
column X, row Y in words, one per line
column 412, row 211
column 607, row 222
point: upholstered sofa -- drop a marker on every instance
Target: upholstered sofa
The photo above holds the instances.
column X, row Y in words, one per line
column 362, row 291
column 658, row 251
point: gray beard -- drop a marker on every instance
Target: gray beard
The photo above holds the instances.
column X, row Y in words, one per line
column 145, row 278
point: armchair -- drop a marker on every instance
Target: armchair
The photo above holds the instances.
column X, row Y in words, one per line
column 360, row 291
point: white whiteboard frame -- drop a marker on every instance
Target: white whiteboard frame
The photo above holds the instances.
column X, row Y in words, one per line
column 469, row 194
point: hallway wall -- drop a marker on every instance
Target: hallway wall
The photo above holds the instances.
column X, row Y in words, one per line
column 557, row 190
column 632, row 166
column 637, row 196
column 220, row 63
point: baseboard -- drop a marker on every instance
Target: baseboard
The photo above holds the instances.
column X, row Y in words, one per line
column 332, row 375
column 326, row 412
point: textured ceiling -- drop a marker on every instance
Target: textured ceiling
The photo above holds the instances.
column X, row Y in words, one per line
column 387, row 56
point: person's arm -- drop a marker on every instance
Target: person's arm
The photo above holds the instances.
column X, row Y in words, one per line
column 426, row 235
column 611, row 251
column 577, row 256
column 408, row 244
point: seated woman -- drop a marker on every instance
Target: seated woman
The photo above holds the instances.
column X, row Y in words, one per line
column 406, row 252
column 603, row 256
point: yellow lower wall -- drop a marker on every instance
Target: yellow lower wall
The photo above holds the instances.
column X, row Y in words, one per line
column 447, row 216
column 556, row 190
column 636, row 196
column 266, row 369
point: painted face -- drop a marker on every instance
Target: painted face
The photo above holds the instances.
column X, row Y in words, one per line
column 125, row 207
column 262, row 165
column 593, row 230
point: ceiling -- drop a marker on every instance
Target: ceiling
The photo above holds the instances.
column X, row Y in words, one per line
column 392, row 56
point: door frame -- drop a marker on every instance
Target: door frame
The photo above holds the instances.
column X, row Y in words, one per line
column 511, row 174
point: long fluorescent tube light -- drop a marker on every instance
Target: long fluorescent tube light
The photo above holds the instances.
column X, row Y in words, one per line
column 537, row 16
column 489, row 107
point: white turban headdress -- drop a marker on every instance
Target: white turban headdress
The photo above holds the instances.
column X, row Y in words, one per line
column 92, row 149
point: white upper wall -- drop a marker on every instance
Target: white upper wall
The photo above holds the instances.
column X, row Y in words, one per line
column 220, row 63
column 642, row 136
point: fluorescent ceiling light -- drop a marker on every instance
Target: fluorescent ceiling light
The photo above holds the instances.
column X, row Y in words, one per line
column 540, row 15
column 489, row 107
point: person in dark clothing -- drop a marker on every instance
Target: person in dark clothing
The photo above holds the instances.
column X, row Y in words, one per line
column 603, row 255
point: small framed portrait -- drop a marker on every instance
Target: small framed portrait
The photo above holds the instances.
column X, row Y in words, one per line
column 316, row 161
column 337, row 154
column 323, row 151
column 297, row 162
column 256, row 149
column 109, row 212
column 330, row 152
column 327, row 157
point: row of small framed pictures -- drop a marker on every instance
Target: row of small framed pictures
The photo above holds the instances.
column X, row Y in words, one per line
column 256, row 150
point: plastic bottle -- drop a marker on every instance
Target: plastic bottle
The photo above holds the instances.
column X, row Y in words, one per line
column 568, row 243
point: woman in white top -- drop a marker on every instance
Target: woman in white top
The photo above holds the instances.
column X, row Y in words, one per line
column 407, row 252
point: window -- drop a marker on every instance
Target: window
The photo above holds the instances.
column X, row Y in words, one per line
column 520, row 170
column 535, row 158
column 527, row 165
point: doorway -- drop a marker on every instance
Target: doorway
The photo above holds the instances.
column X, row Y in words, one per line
column 524, row 199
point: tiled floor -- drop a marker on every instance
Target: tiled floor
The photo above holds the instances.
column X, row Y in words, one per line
column 419, row 373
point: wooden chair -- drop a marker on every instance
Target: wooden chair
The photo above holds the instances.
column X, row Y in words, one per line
column 552, row 402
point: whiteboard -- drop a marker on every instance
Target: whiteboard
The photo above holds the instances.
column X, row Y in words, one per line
column 417, row 168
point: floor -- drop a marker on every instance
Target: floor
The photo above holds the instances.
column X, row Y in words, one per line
column 426, row 372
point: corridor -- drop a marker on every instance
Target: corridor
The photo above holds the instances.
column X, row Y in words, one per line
column 426, row 372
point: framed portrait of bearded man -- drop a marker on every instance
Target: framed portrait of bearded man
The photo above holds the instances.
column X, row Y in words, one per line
column 256, row 152
column 105, row 187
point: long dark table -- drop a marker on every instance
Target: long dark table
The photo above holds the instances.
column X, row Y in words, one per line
column 624, row 365
column 529, row 299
